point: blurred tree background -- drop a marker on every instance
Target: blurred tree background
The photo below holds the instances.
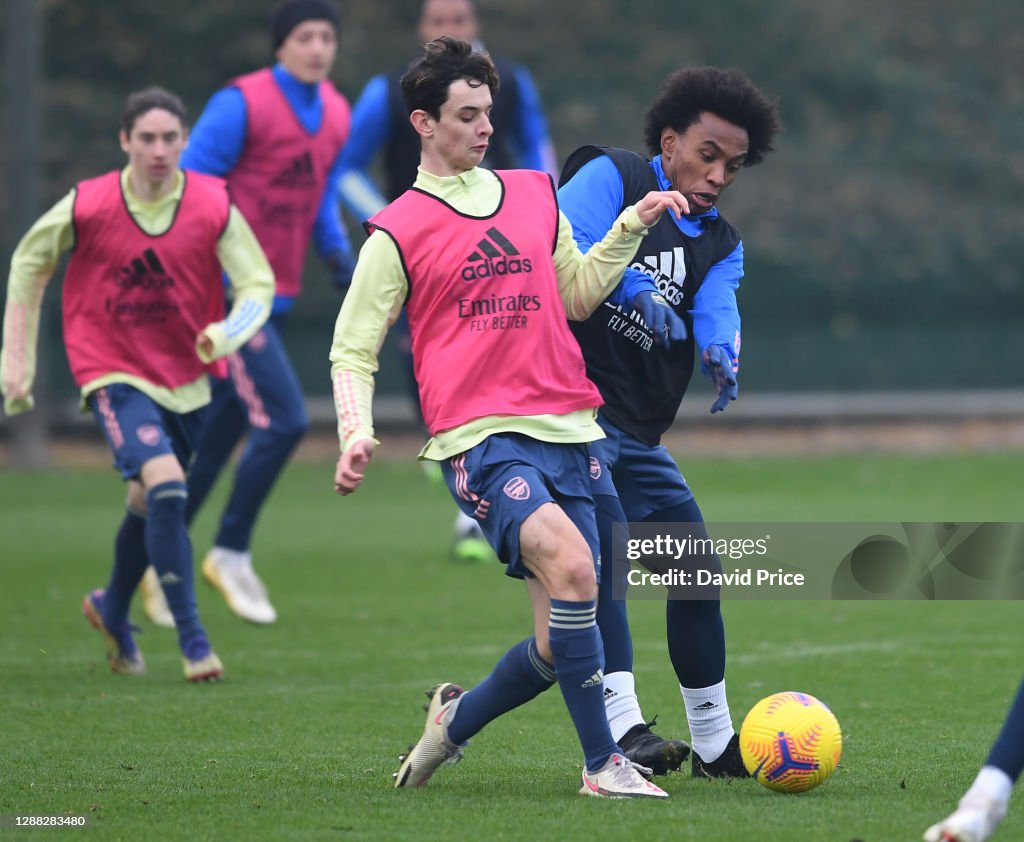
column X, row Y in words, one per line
column 884, row 239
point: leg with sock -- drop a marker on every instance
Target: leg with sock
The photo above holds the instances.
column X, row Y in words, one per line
column 520, row 675
column 986, row 802
column 622, row 707
column 269, row 388
column 1007, row 753
column 107, row 609
column 224, row 424
column 170, row 552
column 455, row 715
column 130, row 551
column 576, row 650
column 130, row 562
column 696, row 645
column 563, row 595
column 117, row 408
column 578, row 657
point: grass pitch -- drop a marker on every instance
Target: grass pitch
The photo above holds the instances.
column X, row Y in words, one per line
column 300, row 741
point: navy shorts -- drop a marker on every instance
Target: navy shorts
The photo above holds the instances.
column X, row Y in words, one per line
column 138, row 429
column 646, row 479
column 508, row 476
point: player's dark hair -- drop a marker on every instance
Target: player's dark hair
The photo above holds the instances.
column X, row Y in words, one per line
column 728, row 93
column 140, row 102
column 445, row 60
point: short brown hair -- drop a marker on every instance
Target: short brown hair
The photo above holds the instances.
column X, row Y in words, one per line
column 139, row 102
column 445, row 60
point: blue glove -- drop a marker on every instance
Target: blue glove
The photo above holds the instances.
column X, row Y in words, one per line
column 342, row 264
column 659, row 316
column 721, row 366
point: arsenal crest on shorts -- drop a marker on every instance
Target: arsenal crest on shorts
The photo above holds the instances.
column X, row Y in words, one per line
column 149, row 434
column 517, row 488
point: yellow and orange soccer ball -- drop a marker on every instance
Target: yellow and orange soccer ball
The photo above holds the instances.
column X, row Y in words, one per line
column 790, row 742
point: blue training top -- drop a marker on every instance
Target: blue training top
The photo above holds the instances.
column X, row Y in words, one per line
column 592, row 200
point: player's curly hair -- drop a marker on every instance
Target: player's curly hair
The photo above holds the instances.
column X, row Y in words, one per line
column 726, row 92
column 445, row 60
column 139, row 102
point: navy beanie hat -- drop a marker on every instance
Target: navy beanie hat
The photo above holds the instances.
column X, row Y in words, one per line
column 291, row 13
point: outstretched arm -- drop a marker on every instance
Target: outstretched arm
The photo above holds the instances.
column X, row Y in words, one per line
column 252, row 286
column 591, row 200
column 585, row 280
column 716, row 326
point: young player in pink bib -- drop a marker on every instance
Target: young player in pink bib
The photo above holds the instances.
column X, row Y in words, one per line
column 143, row 322
column 486, row 267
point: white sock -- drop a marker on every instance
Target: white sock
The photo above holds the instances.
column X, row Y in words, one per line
column 992, row 784
column 224, row 557
column 707, row 711
column 620, row 703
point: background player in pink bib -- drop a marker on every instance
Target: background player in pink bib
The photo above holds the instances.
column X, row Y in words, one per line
column 275, row 136
column 143, row 321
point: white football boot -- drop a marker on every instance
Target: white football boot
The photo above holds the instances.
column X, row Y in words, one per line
column 230, row 572
column 620, row 778
column 433, row 748
column 975, row 820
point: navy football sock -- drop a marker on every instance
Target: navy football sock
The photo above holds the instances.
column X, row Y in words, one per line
column 579, row 660
column 1008, row 750
column 170, row 553
column 694, row 628
column 611, row 613
column 130, row 562
column 696, row 641
column 519, row 676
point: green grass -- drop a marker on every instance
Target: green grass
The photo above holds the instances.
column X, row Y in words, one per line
column 300, row 740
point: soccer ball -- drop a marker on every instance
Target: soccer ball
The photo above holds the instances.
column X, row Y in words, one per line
column 790, row 742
